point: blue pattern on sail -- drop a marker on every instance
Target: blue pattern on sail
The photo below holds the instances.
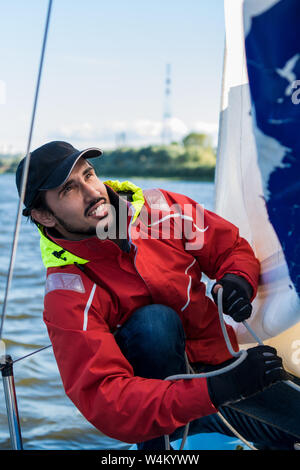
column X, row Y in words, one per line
column 273, row 62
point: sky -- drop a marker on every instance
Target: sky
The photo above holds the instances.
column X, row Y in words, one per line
column 105, row 70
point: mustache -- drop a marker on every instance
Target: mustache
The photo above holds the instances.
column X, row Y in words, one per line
column 92, row 203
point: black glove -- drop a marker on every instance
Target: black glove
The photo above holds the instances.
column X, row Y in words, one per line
column 260, row 369
column 237, row 293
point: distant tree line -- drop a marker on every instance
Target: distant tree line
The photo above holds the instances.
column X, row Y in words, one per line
column 193, row 158
column 9, row 163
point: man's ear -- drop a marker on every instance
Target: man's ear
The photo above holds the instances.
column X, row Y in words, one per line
column 43, row 217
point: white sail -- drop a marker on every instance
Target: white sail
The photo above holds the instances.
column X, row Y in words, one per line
column 241, row 191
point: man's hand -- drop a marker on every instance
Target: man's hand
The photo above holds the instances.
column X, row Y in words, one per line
column 259, row 370
column 236, row 297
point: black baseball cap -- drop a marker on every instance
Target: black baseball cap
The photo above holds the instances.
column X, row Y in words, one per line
column 50, row 166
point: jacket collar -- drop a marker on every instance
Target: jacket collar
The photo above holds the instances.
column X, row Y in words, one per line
column 60, row 252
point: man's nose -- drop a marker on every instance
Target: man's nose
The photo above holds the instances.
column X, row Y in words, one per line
column 89, row 192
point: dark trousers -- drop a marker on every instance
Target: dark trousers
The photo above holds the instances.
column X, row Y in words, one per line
column 153, row 342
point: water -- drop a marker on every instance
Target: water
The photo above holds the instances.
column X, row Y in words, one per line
column 49, row 420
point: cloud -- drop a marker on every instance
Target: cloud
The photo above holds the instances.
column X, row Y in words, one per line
column 207, row 128
column 141, row 131
column 83, row 131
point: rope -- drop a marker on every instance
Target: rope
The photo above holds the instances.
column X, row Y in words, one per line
column 240, row 355
column 259, row 341
column 31, row 354
column 25, row 174
column 234, row 431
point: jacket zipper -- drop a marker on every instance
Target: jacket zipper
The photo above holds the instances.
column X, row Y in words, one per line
column 134, row 259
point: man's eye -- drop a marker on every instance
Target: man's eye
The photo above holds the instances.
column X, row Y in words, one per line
column 67, row 189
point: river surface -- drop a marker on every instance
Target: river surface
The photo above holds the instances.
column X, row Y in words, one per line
column 49, row 420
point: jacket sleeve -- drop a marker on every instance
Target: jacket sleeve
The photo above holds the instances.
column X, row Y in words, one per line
column 100, row 381
column 216, row 243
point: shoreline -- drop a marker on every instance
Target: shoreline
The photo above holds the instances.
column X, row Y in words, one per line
column 188, row 178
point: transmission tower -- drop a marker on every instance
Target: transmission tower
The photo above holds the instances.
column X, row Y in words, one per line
column 166, row 130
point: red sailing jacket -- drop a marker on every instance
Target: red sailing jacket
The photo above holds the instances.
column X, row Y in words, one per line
column 173, row 240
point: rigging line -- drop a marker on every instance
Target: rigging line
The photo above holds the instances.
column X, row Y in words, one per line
column 30, row 354
column 25, row 172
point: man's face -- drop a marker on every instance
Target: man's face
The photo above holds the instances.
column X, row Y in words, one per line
column 79, row 205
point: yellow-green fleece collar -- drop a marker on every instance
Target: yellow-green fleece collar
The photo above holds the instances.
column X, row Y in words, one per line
column 54, row 255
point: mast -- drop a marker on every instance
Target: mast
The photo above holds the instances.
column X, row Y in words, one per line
column 11, row 403
column 166, row 131
column 6, row 362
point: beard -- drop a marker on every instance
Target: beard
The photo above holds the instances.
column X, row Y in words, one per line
column 79, row 230
column 104, row 230
column 72, row 228
column 108, row 229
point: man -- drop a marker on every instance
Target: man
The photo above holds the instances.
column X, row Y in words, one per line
column 125, row 305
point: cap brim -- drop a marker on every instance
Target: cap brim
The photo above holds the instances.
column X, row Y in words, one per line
column 63, row 171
